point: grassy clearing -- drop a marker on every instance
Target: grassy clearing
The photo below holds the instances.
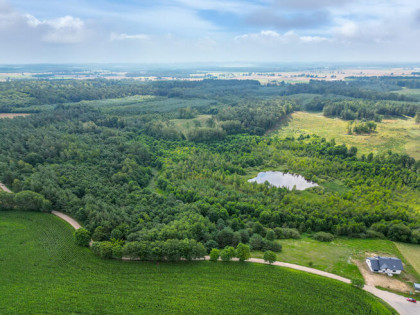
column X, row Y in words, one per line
column 398, row 135
column 187, row 124
column 411, row 253
column 42, row 271
column 410, row 92
column 335, row 257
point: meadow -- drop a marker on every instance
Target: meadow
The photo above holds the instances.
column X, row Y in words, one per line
column 42, row 271
column 411, row 253
column 399, row 135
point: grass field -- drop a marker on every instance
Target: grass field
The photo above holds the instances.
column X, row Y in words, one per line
column 42, row 271
column 335, row 257
column 398, row 135
column 412, row 254
column 410, row 92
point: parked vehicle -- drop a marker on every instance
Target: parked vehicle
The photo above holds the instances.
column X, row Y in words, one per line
column 411, row 300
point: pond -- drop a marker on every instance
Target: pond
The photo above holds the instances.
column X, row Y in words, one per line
column 279, row 179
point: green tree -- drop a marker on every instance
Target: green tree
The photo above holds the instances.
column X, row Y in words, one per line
column 82, row 237
column 227, row 253
column 243, row 252
column 214, row 254
column 270, row 257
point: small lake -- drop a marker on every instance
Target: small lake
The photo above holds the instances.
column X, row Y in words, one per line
column 279, row 179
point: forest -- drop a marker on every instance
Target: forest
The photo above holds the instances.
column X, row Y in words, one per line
column 137, row 182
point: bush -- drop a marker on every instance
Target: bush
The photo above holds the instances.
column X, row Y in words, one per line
column 243, row 252
column 270, row 257
column 214, row 254
column 256, row 242
column 7, row 201
column 272, row 246
column 271, row 236
column 228, row 253
column 82, row 237
column 323, row 237
column 374, row 234
column 31, row 201
column 358, row 283
column 285, row 233
column 99, row 234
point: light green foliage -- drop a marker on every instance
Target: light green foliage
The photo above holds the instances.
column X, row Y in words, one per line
column 243, row 252
column 214, row 254
column 358, row 283
column 323, row 237
column 227, row 253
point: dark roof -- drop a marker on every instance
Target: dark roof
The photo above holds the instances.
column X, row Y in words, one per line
column 392, row 263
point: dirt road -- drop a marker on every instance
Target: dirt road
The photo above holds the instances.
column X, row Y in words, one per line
column 396, row 301
column 2, row 187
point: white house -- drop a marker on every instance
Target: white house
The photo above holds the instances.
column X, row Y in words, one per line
column 388, row 265
column 417, row 287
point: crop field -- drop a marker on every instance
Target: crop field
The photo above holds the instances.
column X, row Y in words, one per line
column 42, row 271
column 398, row 135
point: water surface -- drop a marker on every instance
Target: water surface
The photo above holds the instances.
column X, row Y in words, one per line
column 280, row 179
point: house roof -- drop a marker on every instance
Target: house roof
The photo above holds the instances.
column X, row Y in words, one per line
column 392, row 263
column 417, row 286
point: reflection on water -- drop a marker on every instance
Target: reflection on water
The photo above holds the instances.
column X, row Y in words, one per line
column 280, row 179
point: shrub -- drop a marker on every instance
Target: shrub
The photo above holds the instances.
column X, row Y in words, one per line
column 270, row 235
column 323, row 237
column 243, row 252
column 214, row 254
column 256, row 242
column 227, row 253
column 31, row 201
column 358, row 283
column 99, row 234
column 117, row 251
column 210, row 245
column 82, row 237
column 7, row 201
column 270, row 257
column 284, row 233
column 272, row 246
column 374, row 234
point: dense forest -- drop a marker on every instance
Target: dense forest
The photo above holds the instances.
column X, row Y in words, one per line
column 137, row 179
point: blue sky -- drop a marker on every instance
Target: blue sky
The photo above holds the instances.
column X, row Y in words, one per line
column 168, row 31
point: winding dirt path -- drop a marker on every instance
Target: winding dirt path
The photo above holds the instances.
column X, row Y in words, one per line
column 4, row 188
column 398, row 302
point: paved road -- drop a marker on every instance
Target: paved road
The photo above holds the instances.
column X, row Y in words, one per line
column 396, row 301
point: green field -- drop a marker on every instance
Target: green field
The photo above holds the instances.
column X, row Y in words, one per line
column 412, row 254
column 410, row 92
column 398, row 135
column 42, row 271
column 336, row 257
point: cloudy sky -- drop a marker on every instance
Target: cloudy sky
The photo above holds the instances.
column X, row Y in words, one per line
column 168, row 31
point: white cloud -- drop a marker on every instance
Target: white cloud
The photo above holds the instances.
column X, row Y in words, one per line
column 275, row 37
column 123, row 36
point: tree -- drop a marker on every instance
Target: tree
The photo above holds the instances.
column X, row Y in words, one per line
column 227, row 253
column 214, row 254
column 31, row 201
column 243, row 252
column 270, row 257
column 256, row 242
column 99, row 234
column 82, row 237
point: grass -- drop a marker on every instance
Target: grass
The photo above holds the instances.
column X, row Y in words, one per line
column 398, row 135
column 410, row 92
column 335, row 257
column 411, row 253
column 42, row 271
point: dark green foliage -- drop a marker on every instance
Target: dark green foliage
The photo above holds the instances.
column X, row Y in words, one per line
column 31, row 201
column 256, row 242
column 7, row 201
column 99, row 234
column 82, row 237
column 358, row 283
column 270, row 256
column 285, row 233
column 323, row 237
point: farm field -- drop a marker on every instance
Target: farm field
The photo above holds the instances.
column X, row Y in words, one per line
column 12, row 115
column 336, row 257
column 412, row 254
column 43, row 271
column 398, row 135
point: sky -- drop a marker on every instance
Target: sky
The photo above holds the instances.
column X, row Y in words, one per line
column 217, row 31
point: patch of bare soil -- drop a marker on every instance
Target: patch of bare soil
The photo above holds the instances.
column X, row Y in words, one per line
column 381, row 280
column 12, row 115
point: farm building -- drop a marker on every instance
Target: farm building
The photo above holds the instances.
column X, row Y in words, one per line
column 417, row 287
column 388, row 265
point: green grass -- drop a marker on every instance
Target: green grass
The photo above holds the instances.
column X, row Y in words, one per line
column 335, row 257
column 42, row 271
column 398, row 135
column 411, row 253
column 410, row 92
